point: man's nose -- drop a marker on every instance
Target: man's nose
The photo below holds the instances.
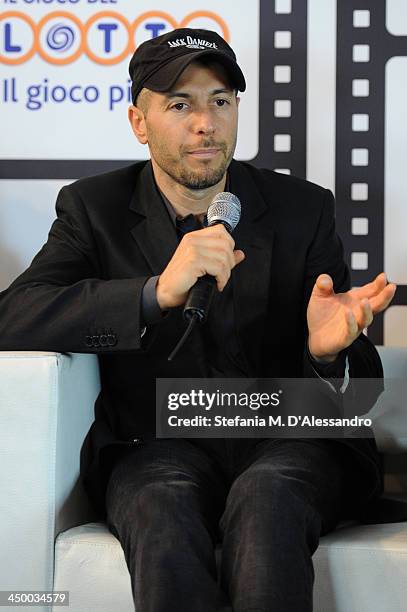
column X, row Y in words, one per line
column 203, row 122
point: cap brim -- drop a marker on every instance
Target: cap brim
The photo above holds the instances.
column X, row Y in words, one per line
column 166, row 77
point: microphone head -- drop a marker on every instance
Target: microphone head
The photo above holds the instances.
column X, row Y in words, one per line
column 225, row 208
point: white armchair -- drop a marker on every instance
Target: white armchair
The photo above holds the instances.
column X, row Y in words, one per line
column 51, row 540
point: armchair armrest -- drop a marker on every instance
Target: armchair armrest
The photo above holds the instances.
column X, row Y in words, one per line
column 47, row 402
column 390, row 421
column 389, row 412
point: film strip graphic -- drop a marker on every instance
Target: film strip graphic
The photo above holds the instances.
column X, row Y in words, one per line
column 360, row 139
column 283, row 86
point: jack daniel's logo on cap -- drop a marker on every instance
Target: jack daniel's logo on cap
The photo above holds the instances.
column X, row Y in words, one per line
column 158, row 63
column 192, row 43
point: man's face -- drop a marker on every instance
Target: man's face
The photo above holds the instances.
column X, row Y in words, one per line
column 191, row 131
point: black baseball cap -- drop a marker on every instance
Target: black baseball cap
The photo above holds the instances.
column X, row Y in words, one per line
column 159, row 62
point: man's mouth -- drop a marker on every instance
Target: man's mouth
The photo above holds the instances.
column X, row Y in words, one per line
column 204, row 153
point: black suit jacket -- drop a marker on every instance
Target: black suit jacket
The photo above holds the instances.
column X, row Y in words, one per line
column 82, row 293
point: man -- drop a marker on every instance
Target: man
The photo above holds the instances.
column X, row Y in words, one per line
column 112, row 279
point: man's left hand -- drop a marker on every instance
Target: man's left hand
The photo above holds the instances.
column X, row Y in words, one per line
column 335, row 320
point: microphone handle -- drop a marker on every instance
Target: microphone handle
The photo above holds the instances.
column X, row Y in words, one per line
column 200, row 295
column 200, row 298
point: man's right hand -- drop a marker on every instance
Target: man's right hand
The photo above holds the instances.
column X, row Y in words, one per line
column 205, row 251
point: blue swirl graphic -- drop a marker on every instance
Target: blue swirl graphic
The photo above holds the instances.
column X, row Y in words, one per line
column 60, row 37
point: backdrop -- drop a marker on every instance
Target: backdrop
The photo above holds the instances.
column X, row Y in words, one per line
column 325, row 100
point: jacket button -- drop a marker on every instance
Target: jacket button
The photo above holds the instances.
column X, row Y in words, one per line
column 111, row 339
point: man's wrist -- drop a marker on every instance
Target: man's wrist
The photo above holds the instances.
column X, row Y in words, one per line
column 150, row 308
column 331, row 369
column 160, row 296
column 322, row 359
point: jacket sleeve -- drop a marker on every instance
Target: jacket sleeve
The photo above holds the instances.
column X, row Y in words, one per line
column 62, row 303
column 326, row 256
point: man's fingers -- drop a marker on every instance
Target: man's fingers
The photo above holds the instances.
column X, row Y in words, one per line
column 209, row 240
column 357, row 321
column 222, row 279
column 366, row 314
column 205, row 251
column 219, row 232
column 221, row 267
column 239, row 256
column 212, row 247
column 379, row 293
column 371, row 289
column 381, row 301
column 362, row 316
column 323, row 285
column 352, row 324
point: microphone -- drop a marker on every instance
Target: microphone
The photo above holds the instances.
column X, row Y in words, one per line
column 225, row 209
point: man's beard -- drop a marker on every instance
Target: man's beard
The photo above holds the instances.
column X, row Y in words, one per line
column 203, row 178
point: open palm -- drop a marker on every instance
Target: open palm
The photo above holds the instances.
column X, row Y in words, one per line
column 335, row 320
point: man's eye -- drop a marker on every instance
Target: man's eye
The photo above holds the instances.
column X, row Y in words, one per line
column 179, row 106
column 221, row 102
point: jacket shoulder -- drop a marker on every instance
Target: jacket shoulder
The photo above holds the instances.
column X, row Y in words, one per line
column 291, row 196
column 285, row 183
column 116, row 183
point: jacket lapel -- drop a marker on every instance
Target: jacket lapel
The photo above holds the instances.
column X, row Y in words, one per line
column 154, row 231
column 251, row 278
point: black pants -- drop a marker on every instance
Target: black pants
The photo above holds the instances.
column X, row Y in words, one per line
column 170, row 501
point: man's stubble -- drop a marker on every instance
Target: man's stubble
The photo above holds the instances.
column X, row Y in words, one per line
column 179, row 170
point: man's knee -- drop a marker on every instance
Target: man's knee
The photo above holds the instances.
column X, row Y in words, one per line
column 273, row 499
column 158, row 506
column 165, row 519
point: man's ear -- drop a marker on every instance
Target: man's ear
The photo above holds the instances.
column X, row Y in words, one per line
column 237, row 100
column 138, row 124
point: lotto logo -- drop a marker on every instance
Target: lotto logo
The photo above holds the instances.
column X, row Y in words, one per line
column 106, row 38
